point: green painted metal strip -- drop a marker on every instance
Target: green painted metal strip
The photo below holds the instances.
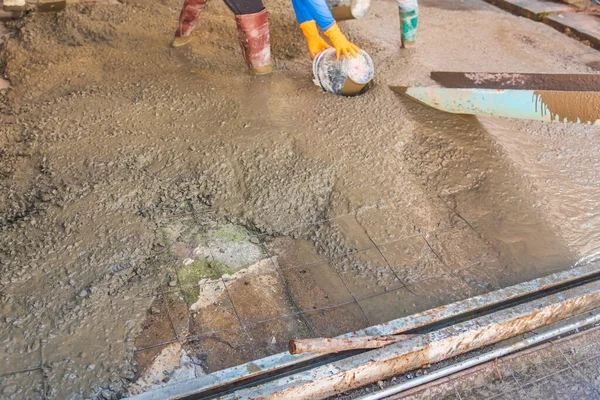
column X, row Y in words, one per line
column 542, row 105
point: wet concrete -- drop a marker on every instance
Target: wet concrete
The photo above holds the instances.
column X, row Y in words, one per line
column 120, row 156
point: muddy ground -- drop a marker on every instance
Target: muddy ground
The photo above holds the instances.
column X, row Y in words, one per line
column 117, row 150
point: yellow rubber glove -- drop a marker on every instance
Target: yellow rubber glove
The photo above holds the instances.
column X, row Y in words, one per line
column 316, row 43
column 341, row 44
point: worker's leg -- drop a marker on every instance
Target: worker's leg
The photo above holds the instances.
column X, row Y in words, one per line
column 253, row 33
column 188, row 20
column 409, row 14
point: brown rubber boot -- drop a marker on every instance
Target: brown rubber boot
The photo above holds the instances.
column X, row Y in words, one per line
column 188, row 19
column 253, row 33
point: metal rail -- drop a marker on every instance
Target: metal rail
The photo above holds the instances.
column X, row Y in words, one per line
column 424, row 350
column 492, row 355
column 284, row 364
column 518, row 81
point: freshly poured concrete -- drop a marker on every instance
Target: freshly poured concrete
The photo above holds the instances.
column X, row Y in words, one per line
column 155, row 196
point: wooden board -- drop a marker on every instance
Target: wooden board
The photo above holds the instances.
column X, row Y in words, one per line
column 583, row 26
column 534, row 9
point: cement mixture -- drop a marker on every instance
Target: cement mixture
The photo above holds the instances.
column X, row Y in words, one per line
column 114, row 147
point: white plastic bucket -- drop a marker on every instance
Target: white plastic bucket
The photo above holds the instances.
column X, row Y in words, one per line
column 343, row 77
column 348, row 9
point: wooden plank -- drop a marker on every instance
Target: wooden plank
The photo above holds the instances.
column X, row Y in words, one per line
column 581, row 25
column 518, row 81
column 534, row 9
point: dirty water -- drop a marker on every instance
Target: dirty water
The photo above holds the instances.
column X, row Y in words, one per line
column 161, row 207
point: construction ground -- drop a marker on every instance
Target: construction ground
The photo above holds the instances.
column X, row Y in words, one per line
column 165, row 215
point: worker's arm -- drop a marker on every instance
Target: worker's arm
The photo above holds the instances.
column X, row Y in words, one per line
column 308, row 25
column 313, row 13
column 313, row 10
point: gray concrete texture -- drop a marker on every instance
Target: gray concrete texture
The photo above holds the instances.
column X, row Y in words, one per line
column 160, row 204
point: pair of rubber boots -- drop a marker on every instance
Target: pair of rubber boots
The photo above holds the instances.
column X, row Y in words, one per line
column 253, row 35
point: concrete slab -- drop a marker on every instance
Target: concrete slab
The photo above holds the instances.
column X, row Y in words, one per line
column 10, row 6
column 4, row 84
column 9, row 15
column 582, row 26
column 533, row 9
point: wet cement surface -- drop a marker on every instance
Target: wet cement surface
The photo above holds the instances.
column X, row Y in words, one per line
column 127, row 167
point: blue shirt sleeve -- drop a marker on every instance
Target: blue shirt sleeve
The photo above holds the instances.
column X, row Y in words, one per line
column 308, row 10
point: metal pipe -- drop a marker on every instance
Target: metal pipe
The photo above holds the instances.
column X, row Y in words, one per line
column 461, row 366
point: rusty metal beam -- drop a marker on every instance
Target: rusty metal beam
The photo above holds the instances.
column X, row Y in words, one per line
column 448, row 373
column 518, row 81
column 583, row 26
column 423, row 350
column 534, row 9
column 280, row 361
